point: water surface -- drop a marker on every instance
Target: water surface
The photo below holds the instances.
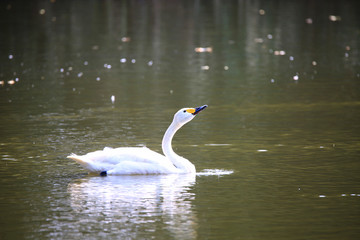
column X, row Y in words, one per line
column 277, row 151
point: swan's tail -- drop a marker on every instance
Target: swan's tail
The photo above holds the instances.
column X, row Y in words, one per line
column 83, row 162
column 77, row 159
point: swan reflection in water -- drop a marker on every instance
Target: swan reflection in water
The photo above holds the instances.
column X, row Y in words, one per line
column 130, row 206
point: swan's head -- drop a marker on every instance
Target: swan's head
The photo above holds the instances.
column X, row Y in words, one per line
column 185, row 115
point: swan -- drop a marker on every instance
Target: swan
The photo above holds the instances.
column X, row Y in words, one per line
column 142, row 160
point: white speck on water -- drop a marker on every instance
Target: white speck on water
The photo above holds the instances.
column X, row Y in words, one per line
column 42, row 11
column 150, row 63
column 74, row 89
column 226, row 68
column 262, row 150
column 80, row 74
column 123, row 60
column 62, row 70
column 11, row 82
column 279, row 53
column 291, row 58
column 322, row 196
column 112, row 98
column 343, row 195
column 259, row 40
column 272, row 80
column 309, row 20
column 125, row 39
column 216, row 172
column 334, row 18
column 296, row 77
column 314, row 63
column 269, row 36
column 70, row 68
column 217, row 144
column 98, row 79
column 133, row 60
column 11, row 56
column 205, row 67
column 86, row 63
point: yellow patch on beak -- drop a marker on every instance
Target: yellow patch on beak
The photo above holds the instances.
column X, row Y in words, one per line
column 191, row 110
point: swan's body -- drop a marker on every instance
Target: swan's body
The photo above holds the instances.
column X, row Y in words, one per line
column 141, row 160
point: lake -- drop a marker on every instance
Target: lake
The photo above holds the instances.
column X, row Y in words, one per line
column 276, row 152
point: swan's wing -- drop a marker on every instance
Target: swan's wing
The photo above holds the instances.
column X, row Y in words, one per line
column 125, row 159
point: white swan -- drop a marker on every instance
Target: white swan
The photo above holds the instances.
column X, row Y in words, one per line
column 141, row 160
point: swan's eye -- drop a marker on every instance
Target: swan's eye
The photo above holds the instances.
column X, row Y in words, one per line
column 184, row 111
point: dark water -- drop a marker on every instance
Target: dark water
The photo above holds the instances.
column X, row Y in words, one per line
column 282, row 81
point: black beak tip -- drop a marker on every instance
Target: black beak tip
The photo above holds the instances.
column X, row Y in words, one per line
column 199, row 109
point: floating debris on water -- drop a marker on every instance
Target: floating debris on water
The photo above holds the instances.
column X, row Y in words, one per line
column 150, row 63
column 98, row 79
column 262, row 150
column 296, row 77
column 203, row 49
column 123, row 60
column 322, row 196
column 42, row 11
column 258, row 40
column 205, row 67
column 11, row 82
column 86, row 63
column 279, row 53
column 112, row 98
column 133, row 60
column 216, row 172
column 262, row 12
column 291, row 58
column 217, row 144
column 334, row 18
column 80, row 74
column 314, row 63
column 125, row 39
column 226, row 68
column 309, row 20
column 11, row 56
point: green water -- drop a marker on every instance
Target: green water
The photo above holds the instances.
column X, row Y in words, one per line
column 282, row 81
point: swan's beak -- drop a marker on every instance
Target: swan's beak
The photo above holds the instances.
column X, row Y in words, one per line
column 199, row 109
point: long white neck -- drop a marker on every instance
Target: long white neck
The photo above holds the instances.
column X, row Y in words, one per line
column 181, row 163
